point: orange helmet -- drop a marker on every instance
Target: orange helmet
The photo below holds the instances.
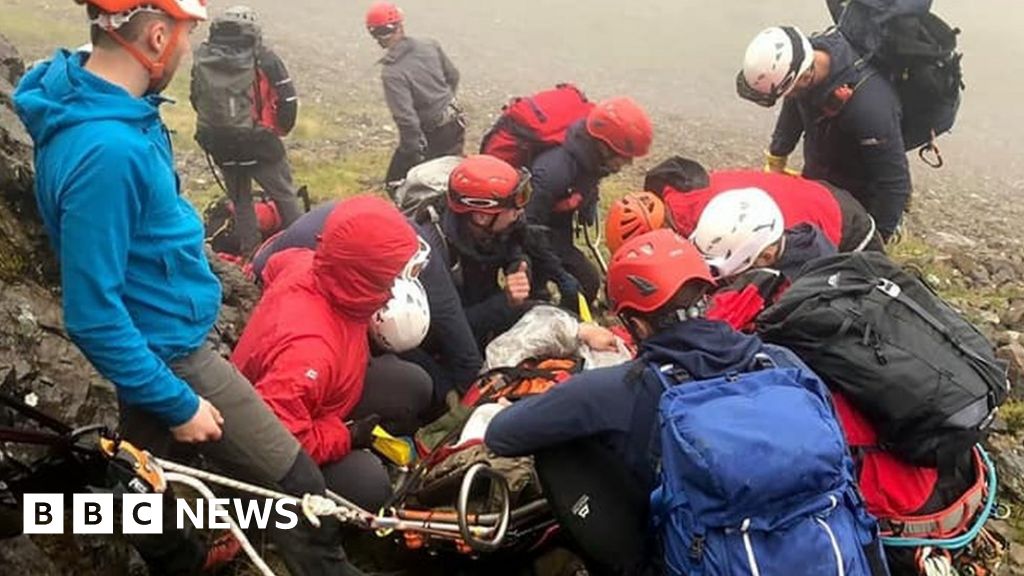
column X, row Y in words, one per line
column 634, row 214
column 650, row 269
column 623, row 125
column 116, row 13
column 486, row 184
column 382, row 14
column 177, row 9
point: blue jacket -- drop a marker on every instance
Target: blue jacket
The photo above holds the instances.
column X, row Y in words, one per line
column 450, row 336
column 860, row 149
column 575, row 166
column 619, row 404
column 138, row 290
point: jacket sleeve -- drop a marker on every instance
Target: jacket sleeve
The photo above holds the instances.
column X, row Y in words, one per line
column 876, row 127
column 451, row 73
column 588, row 404
column 449, row 328
column 99, row 212
column 287, row 96
column 491, row 316
column 398, row 95
column 293, row 388
column 550, row 181
column 788, row 129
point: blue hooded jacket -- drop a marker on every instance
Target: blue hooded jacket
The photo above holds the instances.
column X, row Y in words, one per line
column 138, row 290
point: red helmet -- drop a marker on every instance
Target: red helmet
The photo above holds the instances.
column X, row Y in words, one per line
column 486, row 184
column 634, row 214
column 648, row 271
column 177, row 9
column 383, row 14
column 623, row 125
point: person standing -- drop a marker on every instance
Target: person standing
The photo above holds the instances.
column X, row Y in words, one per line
column 420, row 82
column 139, row 297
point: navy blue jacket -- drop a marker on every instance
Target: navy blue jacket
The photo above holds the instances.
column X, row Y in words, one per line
column 860, row 149
column 619, row 404
column 450, row 337
column 575, row 166
column 804, row 243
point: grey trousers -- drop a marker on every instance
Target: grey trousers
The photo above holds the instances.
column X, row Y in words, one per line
column 276, row 180
column 256, row 448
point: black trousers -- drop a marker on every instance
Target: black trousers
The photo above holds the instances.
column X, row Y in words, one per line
column 399, row 392
column 446, row 140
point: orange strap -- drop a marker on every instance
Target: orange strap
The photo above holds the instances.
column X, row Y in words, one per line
column 156, row 68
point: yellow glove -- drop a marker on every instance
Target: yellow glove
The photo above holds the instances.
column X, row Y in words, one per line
column 774, row 163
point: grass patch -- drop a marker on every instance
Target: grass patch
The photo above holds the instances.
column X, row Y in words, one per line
column 37, row 28
column 1013, row 413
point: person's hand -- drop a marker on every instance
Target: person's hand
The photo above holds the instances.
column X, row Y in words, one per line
column 204, row 426
column 597, row 337
column 360, row 432
column 517, row 286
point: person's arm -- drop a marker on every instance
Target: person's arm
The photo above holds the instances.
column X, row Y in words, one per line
column 875, row 124
column 100, row 209
column 588, row 404
column 451, row 73
column 398, row 95
column 282, row 84
column 788, row 129
column 550, row 182
column 449, row 328
column 491, row 316
column 293, row 389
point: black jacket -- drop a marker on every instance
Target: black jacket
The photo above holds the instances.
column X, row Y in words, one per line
column 575, row 166
column 861, row 147
column 474, row 271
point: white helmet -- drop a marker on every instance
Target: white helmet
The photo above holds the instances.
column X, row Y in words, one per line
column 775, row 58
column 403, row 322
column 735, row 227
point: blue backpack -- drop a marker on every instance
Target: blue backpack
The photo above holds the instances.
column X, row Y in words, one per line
column 756, row 478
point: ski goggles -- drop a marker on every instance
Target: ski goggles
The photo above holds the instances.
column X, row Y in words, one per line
column 383, row 31
column 418, row 262
column 517, row 200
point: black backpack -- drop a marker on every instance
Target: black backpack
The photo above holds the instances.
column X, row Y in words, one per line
column 925, row 377
column 916, row 51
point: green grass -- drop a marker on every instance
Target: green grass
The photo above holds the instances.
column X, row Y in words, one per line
column 37, row 28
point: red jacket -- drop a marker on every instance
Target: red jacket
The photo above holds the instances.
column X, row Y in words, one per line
column 305, row 347
column 801, row 201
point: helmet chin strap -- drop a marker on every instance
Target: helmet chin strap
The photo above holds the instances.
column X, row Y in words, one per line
column 156, row 68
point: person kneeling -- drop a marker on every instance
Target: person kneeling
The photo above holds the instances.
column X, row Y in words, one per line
column 306, row 347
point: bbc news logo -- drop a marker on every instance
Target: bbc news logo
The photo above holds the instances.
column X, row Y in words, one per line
column 144, row 513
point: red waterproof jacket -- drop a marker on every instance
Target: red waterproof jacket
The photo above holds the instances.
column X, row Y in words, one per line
column 305, row 347
column 837, row 214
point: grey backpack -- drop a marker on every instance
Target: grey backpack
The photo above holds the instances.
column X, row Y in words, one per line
column 224, row 91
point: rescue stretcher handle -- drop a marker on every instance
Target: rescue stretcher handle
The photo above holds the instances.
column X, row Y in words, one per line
column 461, row 508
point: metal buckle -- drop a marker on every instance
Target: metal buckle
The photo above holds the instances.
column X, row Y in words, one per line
column 889, row 288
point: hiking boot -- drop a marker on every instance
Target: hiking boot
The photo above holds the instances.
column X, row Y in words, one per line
column 220, row 552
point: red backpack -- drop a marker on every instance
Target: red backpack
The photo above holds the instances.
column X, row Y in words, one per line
column 531, row 124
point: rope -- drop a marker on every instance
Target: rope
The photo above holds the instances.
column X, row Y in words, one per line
column 199, row 486
column 313, row 506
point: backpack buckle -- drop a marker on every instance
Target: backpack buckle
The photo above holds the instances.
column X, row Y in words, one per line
column 889, row 288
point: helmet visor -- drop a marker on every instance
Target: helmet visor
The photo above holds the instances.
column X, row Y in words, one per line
column 419, row 260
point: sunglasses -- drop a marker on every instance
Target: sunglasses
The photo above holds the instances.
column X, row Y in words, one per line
column 418, row 261
column 383, row 31
column 518, row 200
